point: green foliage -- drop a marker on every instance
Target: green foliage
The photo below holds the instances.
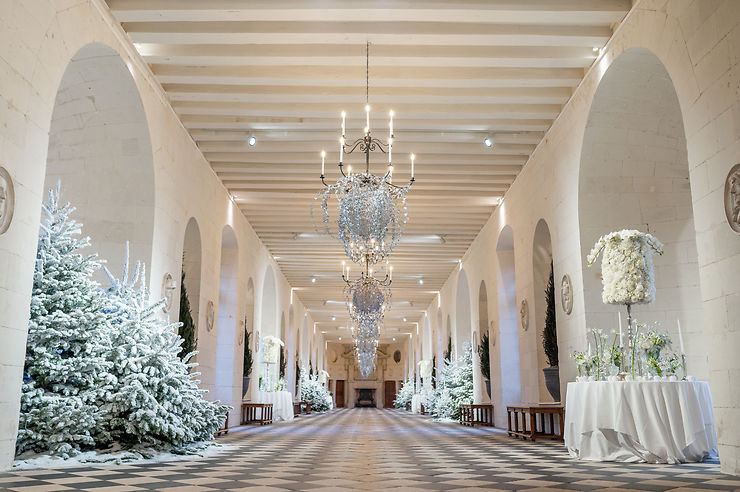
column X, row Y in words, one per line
column 485, row 361
column 297, row 372
column 448, row 352
column 283, row 362
column 550, row 333
column 188, row 332
column 247, row 352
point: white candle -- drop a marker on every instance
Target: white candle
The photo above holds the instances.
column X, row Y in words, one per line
column 343, row 263
column 344, row 115
column 390, row 151
column 323, row 157
column 412, row 164
column 390, row 273
column 620, row 328
column 680, row 336
column 367, row 117
column 347, row 272
column 341, row 149
column 391, row 123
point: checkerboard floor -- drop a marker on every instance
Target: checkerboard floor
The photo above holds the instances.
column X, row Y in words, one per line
column 369, row 449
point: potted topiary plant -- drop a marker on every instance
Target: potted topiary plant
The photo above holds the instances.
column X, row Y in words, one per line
column 247, row 361
column 187, row 331
column 550, row 341
column 485, row 362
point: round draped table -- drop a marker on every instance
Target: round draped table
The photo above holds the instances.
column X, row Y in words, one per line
column 416, row 402
column 282, row 404
column 650, row 421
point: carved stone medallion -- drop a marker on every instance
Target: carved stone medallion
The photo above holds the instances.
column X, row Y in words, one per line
column 732, row 198
column 524, row 314
column 168, row 292
column 397, row 356
column 566, row 294
column 210, row 315
column 7, row 200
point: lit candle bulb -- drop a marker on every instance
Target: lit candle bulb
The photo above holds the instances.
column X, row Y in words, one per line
column 347, row 272
column 412, row 164
column 390, row 273
column 323, row 157
column 367, row 117
column 344, row 115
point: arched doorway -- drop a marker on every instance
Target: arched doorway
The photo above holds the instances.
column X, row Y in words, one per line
column 485, row 394
column 508, row 384
column 267, row 324
column 227, row 389
column 101, row 153
column 250, row 345
column 634, row 174
column 541, row 267
column 463, row 325
column 190, row 274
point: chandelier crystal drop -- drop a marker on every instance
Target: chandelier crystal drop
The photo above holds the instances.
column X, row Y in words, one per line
column 371, row 211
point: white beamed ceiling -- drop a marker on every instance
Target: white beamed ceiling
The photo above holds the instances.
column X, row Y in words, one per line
column 452, row 71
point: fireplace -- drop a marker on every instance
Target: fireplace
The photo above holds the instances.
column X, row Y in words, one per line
column 365, row 397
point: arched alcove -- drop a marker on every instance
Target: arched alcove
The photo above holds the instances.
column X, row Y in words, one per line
column 449, row 341
column 483, row 330
column 508, row 385
column 427, row 339
column 100, row 150
column 440, row 339
column 290, row 351
column 248, row 326
column 463, row 325
column 541, row 266
column 190, row 273
column 227, row 389
column 634, row 174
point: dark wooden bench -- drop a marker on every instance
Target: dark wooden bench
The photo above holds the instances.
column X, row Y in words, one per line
column 256, row 413
column 473, row 415
column 524, row 421
column 225, row 429
column 301, row 407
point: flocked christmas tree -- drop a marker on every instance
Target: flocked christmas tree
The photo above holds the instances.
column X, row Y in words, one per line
column 66, row 374
column 454, row 386
column 157, row 401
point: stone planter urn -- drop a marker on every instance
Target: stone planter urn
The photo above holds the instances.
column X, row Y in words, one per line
column 552, row 381
column 245, row 386
column 488, row 387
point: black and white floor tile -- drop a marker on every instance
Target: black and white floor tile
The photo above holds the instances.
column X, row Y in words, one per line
column 369, row 449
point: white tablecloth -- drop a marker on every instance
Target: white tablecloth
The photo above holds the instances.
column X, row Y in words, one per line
column 416, row 402
column 282, row 404
column 652, row 421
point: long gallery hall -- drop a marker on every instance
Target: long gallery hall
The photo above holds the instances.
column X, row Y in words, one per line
column 393, row 244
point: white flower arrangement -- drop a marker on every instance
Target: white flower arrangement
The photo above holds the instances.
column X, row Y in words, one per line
column 425, row 368
column 271, row 349
column 323, row 376
column 627, row 269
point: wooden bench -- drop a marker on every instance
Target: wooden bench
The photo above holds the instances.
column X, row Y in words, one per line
column 256, row 413
column 473, row 415
column 225, row 429
column 523, row 421
column 301, row 407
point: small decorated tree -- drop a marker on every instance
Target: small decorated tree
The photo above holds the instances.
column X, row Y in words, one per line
column 315, row 393
column 448, row 352
column 247, row 368
column 187, row 330
column 66, row 375
column 454, row 386
column 485, row 361
column 404, row 395
column 550, row 334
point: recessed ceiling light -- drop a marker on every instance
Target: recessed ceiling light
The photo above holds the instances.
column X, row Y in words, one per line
column 394, row 339
column 596, row 49
column 404, row 319
column 252, row 140
column 313, row 280
column 488, row 141
column 421, row 281
column 333, row 318
column 340, row 338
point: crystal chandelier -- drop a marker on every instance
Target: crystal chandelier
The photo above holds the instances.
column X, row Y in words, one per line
column 371, row 210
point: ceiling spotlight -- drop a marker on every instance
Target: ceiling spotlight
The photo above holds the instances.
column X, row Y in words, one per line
column 404, row 319
column 488, row 141
column 596, row 49
column 340, row 338
column 313, row 280
column 252, row 140
column 421, row 281
column 394, row 339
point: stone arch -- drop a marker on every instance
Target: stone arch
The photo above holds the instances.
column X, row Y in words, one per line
column 507, row 387
column 463, row 323
column 634, row 174
column 541, row 264
column 248, row 326
column 100, row 150
column 191, row 269
column 227, row 388
column 483, row 330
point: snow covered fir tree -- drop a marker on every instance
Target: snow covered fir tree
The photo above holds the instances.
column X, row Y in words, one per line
column 454, row 386
column 315, row 393
column 101, row 368
column 67, row 375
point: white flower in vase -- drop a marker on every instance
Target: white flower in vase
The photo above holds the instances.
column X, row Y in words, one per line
column 271, row 349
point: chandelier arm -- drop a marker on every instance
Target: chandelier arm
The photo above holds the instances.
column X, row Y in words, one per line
column 348, row 149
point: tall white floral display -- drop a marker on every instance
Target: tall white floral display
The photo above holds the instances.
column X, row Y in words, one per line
column 627, row 271
column 271, row 357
